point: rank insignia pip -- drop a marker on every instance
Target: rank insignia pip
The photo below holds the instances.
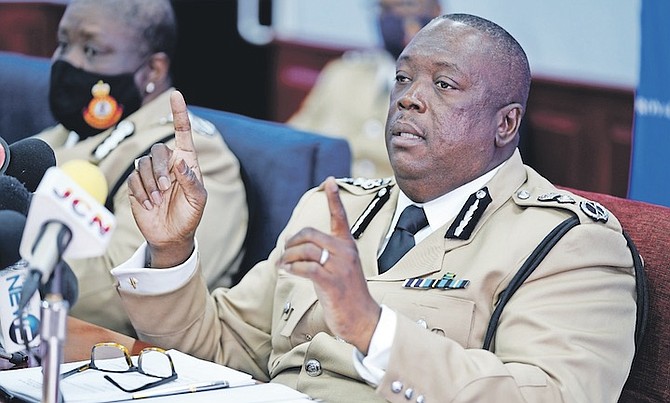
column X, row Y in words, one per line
column 552, row 196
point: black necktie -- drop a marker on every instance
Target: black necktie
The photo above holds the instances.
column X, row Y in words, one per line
column 411, row 220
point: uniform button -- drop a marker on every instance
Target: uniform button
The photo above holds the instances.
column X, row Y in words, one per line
column 287, row 307
column 308, row 337
column 408, row 393
column 523, row 194
column 396, row 386
column 422, row 323
column 420, row 399
column 313, row 367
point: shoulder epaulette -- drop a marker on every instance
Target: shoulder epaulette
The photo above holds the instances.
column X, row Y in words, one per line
column 565, row 200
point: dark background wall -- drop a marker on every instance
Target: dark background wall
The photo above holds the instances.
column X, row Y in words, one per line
column 215, row 67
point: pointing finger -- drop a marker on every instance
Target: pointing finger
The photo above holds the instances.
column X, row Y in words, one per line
column 339, row 226
column 182, row 124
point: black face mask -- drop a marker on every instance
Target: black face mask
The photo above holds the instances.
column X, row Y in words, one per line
column 393, row 31
column 89, row 103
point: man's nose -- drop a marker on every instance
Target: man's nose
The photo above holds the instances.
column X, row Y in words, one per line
column 411, row 99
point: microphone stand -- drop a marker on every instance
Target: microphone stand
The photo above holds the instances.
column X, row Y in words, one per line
column 53, row 329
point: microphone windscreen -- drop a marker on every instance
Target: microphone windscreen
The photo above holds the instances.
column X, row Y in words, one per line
column 29, row 160
column 69, row 285
column 89, row 177
column 14, row 195
column 12, row 224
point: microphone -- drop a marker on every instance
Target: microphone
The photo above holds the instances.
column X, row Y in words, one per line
column 14, row 196
column 64, row 221
column 14, row 204
column 12, row 279
column 89, row 177
column 69, row 284
column 4, row 155
column 11, row 231
column 27, row 160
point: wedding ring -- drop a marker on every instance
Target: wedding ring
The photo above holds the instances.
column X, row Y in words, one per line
column 324, row 256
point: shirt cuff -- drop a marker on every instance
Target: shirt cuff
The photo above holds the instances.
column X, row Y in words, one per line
column 372, row 367
column 133, row 277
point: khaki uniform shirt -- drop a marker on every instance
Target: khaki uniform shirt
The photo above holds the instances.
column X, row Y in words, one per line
column 351, row 100
column 221, row 231
column 567, row 334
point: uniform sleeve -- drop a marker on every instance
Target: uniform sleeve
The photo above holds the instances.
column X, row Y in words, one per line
column 220, row 235
column 133, row 277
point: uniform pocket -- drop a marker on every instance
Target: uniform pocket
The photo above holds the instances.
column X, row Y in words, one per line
column 440, row 314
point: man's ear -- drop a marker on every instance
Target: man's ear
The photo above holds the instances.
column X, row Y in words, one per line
column 159, row 64
column 508, row 124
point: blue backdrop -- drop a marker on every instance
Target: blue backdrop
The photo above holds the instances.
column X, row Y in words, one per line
column 650, row 165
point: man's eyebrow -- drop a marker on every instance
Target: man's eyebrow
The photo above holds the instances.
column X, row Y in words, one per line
column 447, row 65
column 437, row 63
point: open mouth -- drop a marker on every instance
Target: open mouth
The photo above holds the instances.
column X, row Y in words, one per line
column 406, row 135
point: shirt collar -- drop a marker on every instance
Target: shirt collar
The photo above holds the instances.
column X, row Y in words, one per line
column 443, row 209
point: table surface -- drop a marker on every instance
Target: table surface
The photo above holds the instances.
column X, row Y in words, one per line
column 81, row 336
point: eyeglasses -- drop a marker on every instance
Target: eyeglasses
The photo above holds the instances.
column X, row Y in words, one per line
column 115, row 358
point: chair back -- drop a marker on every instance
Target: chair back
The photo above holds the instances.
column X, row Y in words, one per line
column 278, row 165
column 24, row 95
column 648, row 225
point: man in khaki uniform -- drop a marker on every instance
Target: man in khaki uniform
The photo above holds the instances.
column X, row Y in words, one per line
column 350, row 98
column 100, row 41
column 319, row 316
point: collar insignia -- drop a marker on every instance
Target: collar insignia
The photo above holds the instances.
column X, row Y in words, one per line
column 469, row 216
column 370, row 211
column 121, row 132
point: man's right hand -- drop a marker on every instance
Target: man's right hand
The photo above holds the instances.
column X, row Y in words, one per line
column 167, row 195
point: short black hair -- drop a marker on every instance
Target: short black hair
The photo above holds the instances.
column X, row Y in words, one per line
column 507, row 50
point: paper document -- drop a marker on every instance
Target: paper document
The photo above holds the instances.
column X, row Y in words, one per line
column 89, row 386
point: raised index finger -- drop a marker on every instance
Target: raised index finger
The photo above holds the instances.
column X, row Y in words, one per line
column 339, row 226
column 182, row 124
